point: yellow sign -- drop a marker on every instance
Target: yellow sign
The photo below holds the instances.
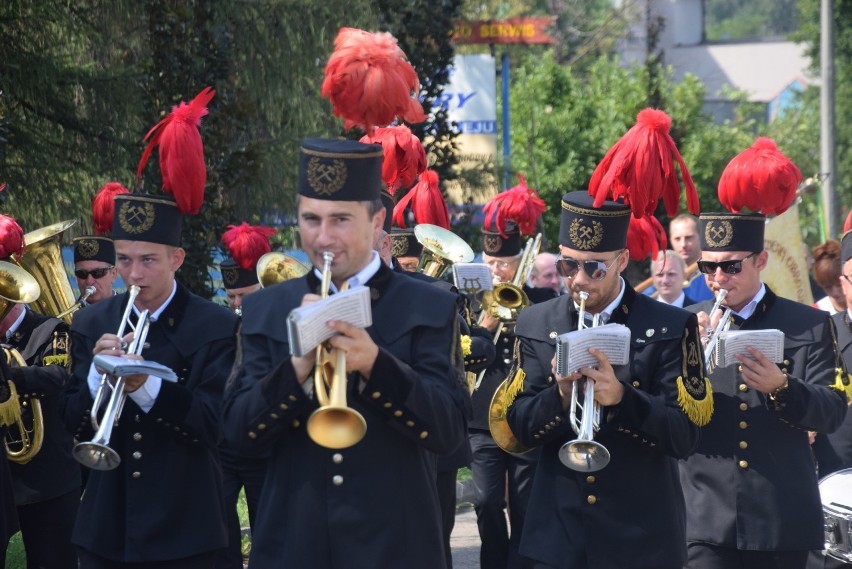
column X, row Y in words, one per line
column 786, row 272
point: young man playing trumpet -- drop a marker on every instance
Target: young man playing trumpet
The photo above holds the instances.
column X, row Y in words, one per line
column 751, row 486
column 375, row 503
column 629, row 514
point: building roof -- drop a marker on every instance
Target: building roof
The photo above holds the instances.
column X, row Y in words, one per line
column 761, row 69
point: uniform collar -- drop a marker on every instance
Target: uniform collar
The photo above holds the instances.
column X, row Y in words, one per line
column 13, row 329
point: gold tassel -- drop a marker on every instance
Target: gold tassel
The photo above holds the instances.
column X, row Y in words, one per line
column 515, row 387
column 842, row 387
column 10, row 410
column 698, row 411
column 465, row 345
column 57, row 360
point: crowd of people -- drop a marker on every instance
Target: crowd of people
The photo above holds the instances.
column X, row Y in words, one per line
column 151, row 412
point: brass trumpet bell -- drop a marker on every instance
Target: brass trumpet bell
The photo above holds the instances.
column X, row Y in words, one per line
column 499, row 426
column 17, row 286
column 584, row 456
column 505, row 302
column 441, row 248
column 276, row 267
column 42, row 259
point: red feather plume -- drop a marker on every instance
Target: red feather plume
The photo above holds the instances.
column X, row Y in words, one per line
column 640, row 168
column 404, row 156
column 425, row 201
column 11, row 237
column 181, row 152
column 247, row 243
column 370, row 82
column 645, row 236
column 761, row 179
column 847, row 225
column 103, row 207
column 519, row 204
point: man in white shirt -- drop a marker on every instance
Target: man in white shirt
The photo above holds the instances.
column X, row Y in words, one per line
column 667, row 273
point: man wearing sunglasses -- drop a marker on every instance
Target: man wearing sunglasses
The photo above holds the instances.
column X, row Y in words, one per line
column 94, row 265
column 629, row 514
column 751, row 487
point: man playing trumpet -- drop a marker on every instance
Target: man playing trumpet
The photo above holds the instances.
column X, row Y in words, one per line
column 751, row 487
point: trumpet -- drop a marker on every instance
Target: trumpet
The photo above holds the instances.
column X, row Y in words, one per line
column 334, row 424
column 97, row 454
column 90, row 290
column 583, row 454
column 711, row 337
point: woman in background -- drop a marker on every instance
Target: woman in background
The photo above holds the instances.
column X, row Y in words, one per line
column 827, row 274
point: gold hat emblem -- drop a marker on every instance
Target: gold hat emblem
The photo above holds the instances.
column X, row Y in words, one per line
column 399, row 245
column 136, row 219
column 586, row 234
column 88, row 248
column 229, row 276
column 718, row 233
column 491, row 243
column 326, row 177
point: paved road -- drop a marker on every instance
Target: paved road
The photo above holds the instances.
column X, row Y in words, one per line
column 465, row 540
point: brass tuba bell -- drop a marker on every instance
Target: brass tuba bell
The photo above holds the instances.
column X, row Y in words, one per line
column 22, row 443
column 276, row 267
column 441, row 248
column 42, row 258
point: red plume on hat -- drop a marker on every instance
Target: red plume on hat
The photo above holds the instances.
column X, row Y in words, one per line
column 847, row 225
column 370, row 82
column 181, row 152
column 519, row 204
column 247, row 243
column 103, row 207
column 425, row 201
column 11, row 237
column 404, row 155
column 640, row 168
column 761, row 179
column 645, row 236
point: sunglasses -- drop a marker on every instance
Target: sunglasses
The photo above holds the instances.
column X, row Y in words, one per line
column 83, row 274
column 596, row 270
column 731, row 267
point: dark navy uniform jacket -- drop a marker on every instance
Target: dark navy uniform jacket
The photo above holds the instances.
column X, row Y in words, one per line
column 53, row 472
column 834, row 451
column 630, row 514
column 751, row 483
column 374, row 504
column 164, row 501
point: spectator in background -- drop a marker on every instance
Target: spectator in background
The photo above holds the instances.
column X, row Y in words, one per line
column 827, row 272
column 683, row 239
column 668, row 272
column 544, row 275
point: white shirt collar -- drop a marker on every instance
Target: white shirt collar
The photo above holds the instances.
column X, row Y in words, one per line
column 16, row 324
column 676, row 302
column 749, row 308
column 156, row 314
column 362, row 276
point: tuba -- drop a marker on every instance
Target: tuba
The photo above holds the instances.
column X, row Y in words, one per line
column 42, row 258
column 276, row 267
column 441, row 248
column 506, row 301
column 334, row 424
column 18, row 287
column 583, row 454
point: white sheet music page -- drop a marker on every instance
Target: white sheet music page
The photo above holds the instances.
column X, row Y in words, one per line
column 472, row 277
column 769, row 342
column 572, row 348
column 306, row 325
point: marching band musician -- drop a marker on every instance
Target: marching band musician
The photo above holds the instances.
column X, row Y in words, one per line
column 47, row 486
column 492, row 467
column 161, row 507
column 751, row 487
column 94, row 265
column 373, row 504
column 246, row 245
column 630, row 514
column 8, row 512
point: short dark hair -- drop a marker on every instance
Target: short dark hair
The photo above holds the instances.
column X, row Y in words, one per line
column 827, row 268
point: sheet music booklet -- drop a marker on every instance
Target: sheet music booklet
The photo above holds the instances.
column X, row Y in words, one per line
column 572, row 348
column 118, row 366
column 306, row 325
column 472, row 277
column 733, row 342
